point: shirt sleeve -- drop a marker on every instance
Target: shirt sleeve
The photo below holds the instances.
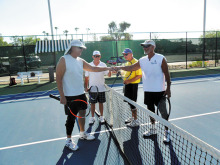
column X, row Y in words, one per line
column 86, row 74
column 105, row 72
column 138, row 72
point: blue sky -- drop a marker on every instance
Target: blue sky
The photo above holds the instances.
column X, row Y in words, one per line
column 31, row 17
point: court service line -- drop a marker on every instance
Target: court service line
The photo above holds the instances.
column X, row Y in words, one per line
column 56, row 139
column 187, row 117
column 45, row 141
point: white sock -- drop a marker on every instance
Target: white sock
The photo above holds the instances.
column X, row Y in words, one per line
column 81, row 133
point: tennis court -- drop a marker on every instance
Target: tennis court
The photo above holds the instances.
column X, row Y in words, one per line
column 33, row 130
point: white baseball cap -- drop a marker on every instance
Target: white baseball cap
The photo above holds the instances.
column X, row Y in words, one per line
column 76, row 43
column 149, row 42
column 96, row 52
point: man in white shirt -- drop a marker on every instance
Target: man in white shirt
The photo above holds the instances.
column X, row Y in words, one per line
column 69, row 78
column 97, row 79
column 154, row 73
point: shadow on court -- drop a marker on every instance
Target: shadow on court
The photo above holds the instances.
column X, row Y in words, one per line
column 133, row 145
column 86, row 153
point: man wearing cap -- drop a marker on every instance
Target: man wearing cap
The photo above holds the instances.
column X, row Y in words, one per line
column 131, row 80
column 97, row 79
column 154, row 73
column 69, row 78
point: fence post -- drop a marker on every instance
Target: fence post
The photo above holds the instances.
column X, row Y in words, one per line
column 25, row 62
column 203, row 54
column 186, row 50
column 216, row 47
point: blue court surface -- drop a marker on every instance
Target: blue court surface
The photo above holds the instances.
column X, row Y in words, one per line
column 32, row 131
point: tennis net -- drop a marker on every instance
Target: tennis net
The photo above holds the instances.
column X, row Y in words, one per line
column 183, row 148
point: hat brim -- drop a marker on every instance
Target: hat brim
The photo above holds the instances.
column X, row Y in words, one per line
column 143, row 44
column 69, row 47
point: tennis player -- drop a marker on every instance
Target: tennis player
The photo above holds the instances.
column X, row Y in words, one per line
column 97, row 79
column 131, row 80
column 154, row 73
column 69, row 78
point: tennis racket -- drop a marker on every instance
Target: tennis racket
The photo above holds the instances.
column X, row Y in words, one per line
column 78, row 103
column 93, row 93
column 164, row 108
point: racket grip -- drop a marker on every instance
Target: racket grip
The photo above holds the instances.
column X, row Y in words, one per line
column 54, row 97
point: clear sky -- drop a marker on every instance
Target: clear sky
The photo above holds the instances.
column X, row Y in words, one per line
column 31, row 17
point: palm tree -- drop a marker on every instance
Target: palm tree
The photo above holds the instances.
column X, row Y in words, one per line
column 76, row 31
column 65, row 32
column 87, row 29
column 44, row 34
column 56, row 31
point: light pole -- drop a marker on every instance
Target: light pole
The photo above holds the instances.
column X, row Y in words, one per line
column 204, row 24
column 51, row 27
column 87, row 33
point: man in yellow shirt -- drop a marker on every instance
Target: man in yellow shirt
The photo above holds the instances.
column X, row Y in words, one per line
column 131, row 80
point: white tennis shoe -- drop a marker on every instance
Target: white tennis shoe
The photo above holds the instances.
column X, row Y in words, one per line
column 166, row 137
column 102, row 119
column 129, row 120
column 91, row 120
column 133, row 123
column 71, row 145
column 86, row 136
column 151, row 131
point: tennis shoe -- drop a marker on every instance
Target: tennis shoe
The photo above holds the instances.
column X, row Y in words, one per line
column 166, row 137
column 129, row 120
column 102, row 119
column 151, row 131
column 134, row 123
column 91, row 120
column 71, row 145
column 86, row 136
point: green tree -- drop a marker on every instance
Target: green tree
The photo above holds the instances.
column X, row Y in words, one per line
column 2, row 42
column 117, row 33
column 210, row 42
column 29, row 40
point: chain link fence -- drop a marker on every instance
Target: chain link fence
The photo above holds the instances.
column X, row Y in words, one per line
column 183, row 50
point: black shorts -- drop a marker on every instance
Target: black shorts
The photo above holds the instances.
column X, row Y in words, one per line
column 101, row 97
column 152, row 98
column 131, row 91
column 77, row 105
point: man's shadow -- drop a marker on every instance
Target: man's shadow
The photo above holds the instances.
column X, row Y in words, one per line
column 131, row 147
column 85, row 155
column 173, row 156
column 158, row 156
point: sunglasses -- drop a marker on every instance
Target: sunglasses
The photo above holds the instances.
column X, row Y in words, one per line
column 97, row 56
column 146, row 46
column 125, row 54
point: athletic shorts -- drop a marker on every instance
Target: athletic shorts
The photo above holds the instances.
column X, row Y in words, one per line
column 131, row 91
column 77, row 105
column 152, row 98
column 101, row 97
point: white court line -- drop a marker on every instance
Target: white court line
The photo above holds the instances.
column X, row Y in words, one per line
column 56, row 139
column 187, row 117
column 45, row 141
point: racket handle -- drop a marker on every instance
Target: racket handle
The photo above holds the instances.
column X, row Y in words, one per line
column 54, row 97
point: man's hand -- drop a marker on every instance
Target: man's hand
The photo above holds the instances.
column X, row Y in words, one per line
column 116, row 68
column 63, row 100
column 168, row 92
